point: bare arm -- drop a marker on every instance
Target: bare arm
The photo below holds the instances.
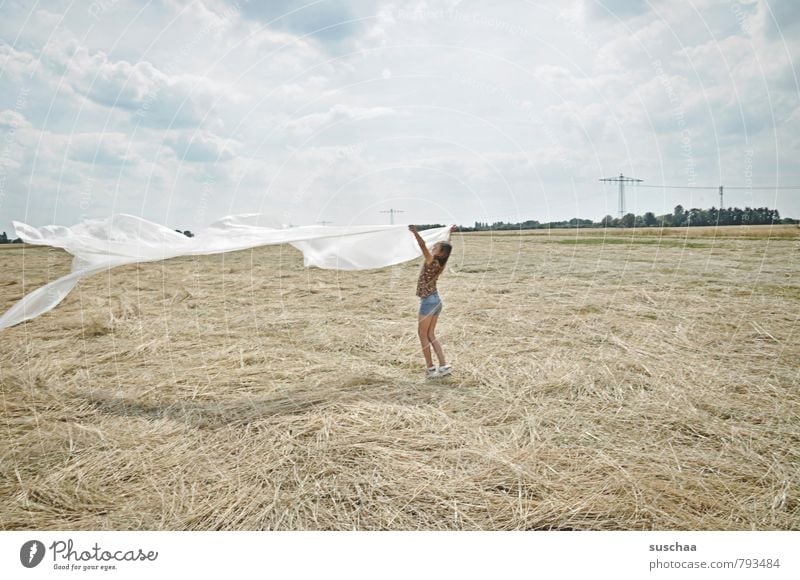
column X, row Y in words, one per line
column 422, row 246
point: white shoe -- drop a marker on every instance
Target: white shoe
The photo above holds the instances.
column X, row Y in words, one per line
column 444, row 370
column 432, row 372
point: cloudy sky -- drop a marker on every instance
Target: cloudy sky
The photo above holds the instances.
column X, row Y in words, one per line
column 185, row 111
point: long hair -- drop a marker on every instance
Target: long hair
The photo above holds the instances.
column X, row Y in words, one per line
column 446, row 248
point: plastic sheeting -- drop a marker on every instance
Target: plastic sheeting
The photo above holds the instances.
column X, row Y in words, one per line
column 102, row 244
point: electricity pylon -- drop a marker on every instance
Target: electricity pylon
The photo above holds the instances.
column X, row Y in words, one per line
column 622, row 180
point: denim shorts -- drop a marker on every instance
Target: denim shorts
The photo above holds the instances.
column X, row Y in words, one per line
column 431, row 304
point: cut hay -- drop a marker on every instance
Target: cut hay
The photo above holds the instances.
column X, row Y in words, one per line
column 595, row 387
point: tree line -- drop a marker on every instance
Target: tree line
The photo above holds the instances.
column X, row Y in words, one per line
column 680, row 217
column 4, row 239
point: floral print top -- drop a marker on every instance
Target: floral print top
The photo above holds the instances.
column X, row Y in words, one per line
column 426, row 284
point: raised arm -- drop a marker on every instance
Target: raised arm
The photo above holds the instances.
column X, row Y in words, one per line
column 450, row 231
column 421, row 242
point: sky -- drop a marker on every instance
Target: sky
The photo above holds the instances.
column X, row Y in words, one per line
column 183, row 112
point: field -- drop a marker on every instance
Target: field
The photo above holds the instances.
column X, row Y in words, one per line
column 602, row 381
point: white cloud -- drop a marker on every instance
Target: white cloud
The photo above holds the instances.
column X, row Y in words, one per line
column 12, row 120
column 101, row 149
column 615, row 9
column 16, row 63
column 202, row 146
column 308, row 124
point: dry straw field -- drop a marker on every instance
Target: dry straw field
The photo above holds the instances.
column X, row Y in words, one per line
column 602, row 381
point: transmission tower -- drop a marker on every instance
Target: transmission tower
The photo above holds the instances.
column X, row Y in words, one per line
column 622, row 180
column 391, row 213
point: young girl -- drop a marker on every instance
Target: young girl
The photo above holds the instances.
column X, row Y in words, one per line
column 430, row 305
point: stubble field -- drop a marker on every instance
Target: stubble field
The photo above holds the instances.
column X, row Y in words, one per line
column 602, row 381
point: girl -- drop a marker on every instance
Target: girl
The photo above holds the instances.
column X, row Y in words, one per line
column 430, row 305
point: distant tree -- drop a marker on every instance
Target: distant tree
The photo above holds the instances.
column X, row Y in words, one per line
column 639, row 222
column 580, row 223
column 607, row 221
column 649, row 219
column 3, row 238
column 677, row 216
column 697, row 217
column 628, row 220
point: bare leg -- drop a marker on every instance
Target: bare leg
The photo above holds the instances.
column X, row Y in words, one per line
column 435, row 343
column 422, row 332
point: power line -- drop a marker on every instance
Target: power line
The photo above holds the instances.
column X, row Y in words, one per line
column 726, row 186
column 622, row 180
column 722, row 188
column 680, row 186
column 391, row 213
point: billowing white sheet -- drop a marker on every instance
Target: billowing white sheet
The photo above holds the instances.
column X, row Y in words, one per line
column 101, row 244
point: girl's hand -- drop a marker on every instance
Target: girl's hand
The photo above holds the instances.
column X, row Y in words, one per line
column 412, row 227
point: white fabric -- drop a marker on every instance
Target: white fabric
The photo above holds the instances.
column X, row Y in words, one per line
column 101, row 244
